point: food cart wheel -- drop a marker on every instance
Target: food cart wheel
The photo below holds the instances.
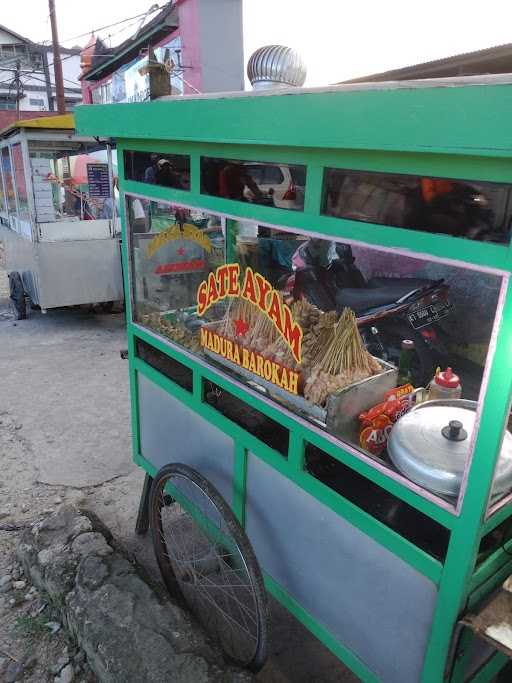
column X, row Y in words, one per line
column 208, row 564
column 107, row 306
column 17, row 295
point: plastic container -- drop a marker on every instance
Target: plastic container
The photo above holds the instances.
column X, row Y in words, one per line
column 445, row 385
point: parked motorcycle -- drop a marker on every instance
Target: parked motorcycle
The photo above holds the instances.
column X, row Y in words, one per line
column 388, row 310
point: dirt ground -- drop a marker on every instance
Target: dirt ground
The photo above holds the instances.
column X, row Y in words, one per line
column 65, row 436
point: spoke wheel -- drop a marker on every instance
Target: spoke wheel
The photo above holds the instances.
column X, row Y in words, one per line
column 208, row 564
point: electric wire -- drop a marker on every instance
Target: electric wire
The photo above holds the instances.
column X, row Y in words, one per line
column 122, row 21
column 31, row 74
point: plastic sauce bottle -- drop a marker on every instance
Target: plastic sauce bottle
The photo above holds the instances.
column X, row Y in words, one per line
column 445, row 385
column 405, row 362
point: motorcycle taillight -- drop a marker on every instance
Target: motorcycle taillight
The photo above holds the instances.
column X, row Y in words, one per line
column 429, row 334
column 291, row 193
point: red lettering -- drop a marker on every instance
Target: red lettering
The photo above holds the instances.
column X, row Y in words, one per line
column 213, row 295
column 274, row 311
column 233, row 279
column 201, row 297
column 249, row 288
column 264, row 288
column 222, row 276
column 292, row 332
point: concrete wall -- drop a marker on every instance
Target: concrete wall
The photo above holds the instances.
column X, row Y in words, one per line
column 211, row 34
column 220, row 34
column 70, row 69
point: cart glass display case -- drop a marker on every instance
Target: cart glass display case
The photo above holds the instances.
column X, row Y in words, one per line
column 314, row 325
column 319, row 324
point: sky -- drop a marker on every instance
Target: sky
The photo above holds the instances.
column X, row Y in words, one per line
column 338, row 40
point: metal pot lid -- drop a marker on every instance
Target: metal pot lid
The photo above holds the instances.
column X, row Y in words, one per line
column 430, row 446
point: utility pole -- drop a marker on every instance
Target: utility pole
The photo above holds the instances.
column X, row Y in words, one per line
column 17, row 85
column 47, row 79
column 57, row 64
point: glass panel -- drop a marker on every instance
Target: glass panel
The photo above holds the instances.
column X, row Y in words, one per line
column 8, row 180
column 21, row 184
column 471, row 209
column 173, row 250
column 268, row 183
column 72, row 183
column 351, row 338
column 169, row 170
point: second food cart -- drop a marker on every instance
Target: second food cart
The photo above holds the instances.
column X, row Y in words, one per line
column 58, row 217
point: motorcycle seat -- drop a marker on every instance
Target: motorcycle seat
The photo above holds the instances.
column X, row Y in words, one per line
column 360, row 300
column 389, row 292
column 404, row 285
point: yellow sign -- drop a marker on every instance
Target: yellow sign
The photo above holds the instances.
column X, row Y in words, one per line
column 225, row 282
column 251, row 360
column 176, row 232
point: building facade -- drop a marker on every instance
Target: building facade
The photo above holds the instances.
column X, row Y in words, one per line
column 189, row 46
column 27, row 79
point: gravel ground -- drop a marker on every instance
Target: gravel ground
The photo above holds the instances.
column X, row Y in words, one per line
column 65, row 437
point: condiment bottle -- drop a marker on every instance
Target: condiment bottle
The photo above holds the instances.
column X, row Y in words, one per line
column 445, row 385
column 405, row 362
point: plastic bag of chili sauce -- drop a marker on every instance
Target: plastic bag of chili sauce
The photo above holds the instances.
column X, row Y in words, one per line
column 377, row 422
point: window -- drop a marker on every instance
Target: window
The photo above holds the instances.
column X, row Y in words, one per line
column 169, row 170
column 8, row 180
column 318, row 326
column 7, row 50
column 265, row 174
column 7, row 102
column 36, row 102
column 20, row 181
column 272, row 184
column 471, row 209
column 71, row 183
column 102, row 94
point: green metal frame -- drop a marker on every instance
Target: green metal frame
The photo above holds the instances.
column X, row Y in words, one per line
column 459, row 132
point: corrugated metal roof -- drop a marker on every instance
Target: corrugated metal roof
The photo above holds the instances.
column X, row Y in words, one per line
column 57, row 122
column 485, row 54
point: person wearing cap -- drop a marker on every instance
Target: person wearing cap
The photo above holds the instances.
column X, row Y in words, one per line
column 165, row 174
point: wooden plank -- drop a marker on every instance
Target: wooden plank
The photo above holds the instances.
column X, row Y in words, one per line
column 493, row 622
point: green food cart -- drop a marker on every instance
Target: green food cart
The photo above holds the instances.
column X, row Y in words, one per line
column 282, row 250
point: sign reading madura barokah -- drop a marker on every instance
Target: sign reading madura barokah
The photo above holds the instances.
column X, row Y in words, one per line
column 251, row 287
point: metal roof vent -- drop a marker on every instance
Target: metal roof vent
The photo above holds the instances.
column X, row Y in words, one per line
column 275, row 66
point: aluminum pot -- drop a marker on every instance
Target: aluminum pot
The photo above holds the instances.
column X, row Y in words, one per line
column 430, row 446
